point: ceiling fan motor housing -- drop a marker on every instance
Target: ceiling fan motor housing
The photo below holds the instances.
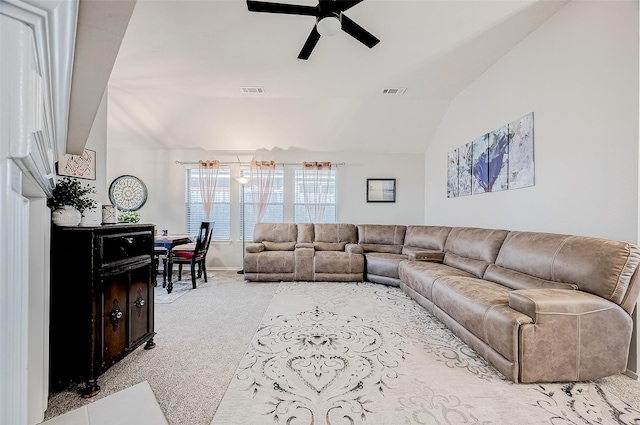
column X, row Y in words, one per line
column 329, row 25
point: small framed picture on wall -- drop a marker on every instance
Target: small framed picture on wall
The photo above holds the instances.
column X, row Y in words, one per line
column 80, row 166
column 381, row 190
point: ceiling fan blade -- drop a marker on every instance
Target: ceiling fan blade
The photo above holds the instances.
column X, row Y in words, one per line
column 311, row 42
column 292, row 9
column 359, row 33
column 346, row 4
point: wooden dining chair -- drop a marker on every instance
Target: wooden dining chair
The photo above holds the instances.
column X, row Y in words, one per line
column 196, row 258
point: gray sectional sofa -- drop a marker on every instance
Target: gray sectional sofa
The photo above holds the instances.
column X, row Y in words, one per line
column 539, row 307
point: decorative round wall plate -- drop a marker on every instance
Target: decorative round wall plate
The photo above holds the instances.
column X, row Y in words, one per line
column 128, row 193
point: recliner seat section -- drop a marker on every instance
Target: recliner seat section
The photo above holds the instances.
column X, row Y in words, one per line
column 271, row 257
column 338, row 257
column 304, row 252
column 539, row 307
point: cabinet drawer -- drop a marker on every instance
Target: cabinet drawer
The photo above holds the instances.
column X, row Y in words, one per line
column 118, row 248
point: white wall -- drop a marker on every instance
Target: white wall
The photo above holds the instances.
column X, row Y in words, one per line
column 97, row 141
column 578, row 73
column 165, row 183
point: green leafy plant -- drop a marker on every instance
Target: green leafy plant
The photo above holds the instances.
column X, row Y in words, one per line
column 129, row 217
column 69, row 191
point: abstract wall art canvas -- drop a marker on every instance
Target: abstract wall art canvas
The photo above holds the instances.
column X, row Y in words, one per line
column 465, row 156
column 480, row 168
column 499, row 159
column 521, row 159
column 452, row 174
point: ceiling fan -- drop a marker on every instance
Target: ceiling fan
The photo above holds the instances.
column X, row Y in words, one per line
column 329, row 20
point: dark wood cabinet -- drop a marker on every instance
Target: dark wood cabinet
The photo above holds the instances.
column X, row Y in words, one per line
column 102, row 281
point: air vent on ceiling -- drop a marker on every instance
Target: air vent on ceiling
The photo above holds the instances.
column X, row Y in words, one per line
column 394, row 91
column 252, row 90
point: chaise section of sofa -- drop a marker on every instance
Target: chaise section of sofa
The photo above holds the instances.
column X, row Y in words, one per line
column 579, row 293
column 539, row 307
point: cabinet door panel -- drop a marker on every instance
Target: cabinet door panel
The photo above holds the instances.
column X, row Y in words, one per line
column 115, row 316
column 139, row 304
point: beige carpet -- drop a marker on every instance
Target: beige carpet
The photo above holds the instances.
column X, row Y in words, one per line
column 345, row 353
column 203, row 334
column 200, row 339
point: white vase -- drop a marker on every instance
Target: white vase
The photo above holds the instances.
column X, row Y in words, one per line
column 66, row 216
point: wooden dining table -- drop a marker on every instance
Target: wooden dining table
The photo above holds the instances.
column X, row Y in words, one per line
column 169, row 242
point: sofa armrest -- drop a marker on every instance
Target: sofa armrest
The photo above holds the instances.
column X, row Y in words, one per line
column 353, row 248
column 301, row 245
column 536, row 303
column 254, row 248
column 574, row 336
column 421, row 254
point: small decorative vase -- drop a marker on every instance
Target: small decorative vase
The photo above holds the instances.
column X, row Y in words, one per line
column 66, row 216
column 109, row 214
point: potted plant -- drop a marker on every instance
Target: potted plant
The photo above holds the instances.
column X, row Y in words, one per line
column 69, row 202
column 129, row 217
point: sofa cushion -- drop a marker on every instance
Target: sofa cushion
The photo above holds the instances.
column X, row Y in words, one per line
column 420, row 275
column 275, row 232
column 279, row 246
column 516, row 280
column 305, row 233
column 482, row 307
column 429, row 237
column 337, row 262
column 382, row 264
column 473, row 249
column 335, row 232
column 597, row 266
column 270, row 262
column 329, row 246
column 389, row 249
column 384, row 234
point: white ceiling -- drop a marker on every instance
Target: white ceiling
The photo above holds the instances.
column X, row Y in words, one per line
column 176, row 81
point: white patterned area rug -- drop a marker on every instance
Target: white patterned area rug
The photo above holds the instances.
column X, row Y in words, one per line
column 354, row 354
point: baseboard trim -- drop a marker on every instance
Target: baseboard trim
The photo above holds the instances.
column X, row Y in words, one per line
column 631, row 374
column 221, row 269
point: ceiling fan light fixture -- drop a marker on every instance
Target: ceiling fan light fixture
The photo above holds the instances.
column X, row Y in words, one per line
column 329, row 25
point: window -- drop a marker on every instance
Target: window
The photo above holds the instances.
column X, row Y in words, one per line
column 221, row 210
column 275, row 209
column 300, row 214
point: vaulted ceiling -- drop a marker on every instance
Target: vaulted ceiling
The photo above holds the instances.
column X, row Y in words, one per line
column 177, row 77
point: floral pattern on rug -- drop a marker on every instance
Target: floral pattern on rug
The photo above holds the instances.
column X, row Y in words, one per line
column 321, row 364
column 583, row 403
column 435, row 337
column 332, row 353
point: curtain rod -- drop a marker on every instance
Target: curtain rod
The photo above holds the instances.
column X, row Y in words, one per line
column 249, row 163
